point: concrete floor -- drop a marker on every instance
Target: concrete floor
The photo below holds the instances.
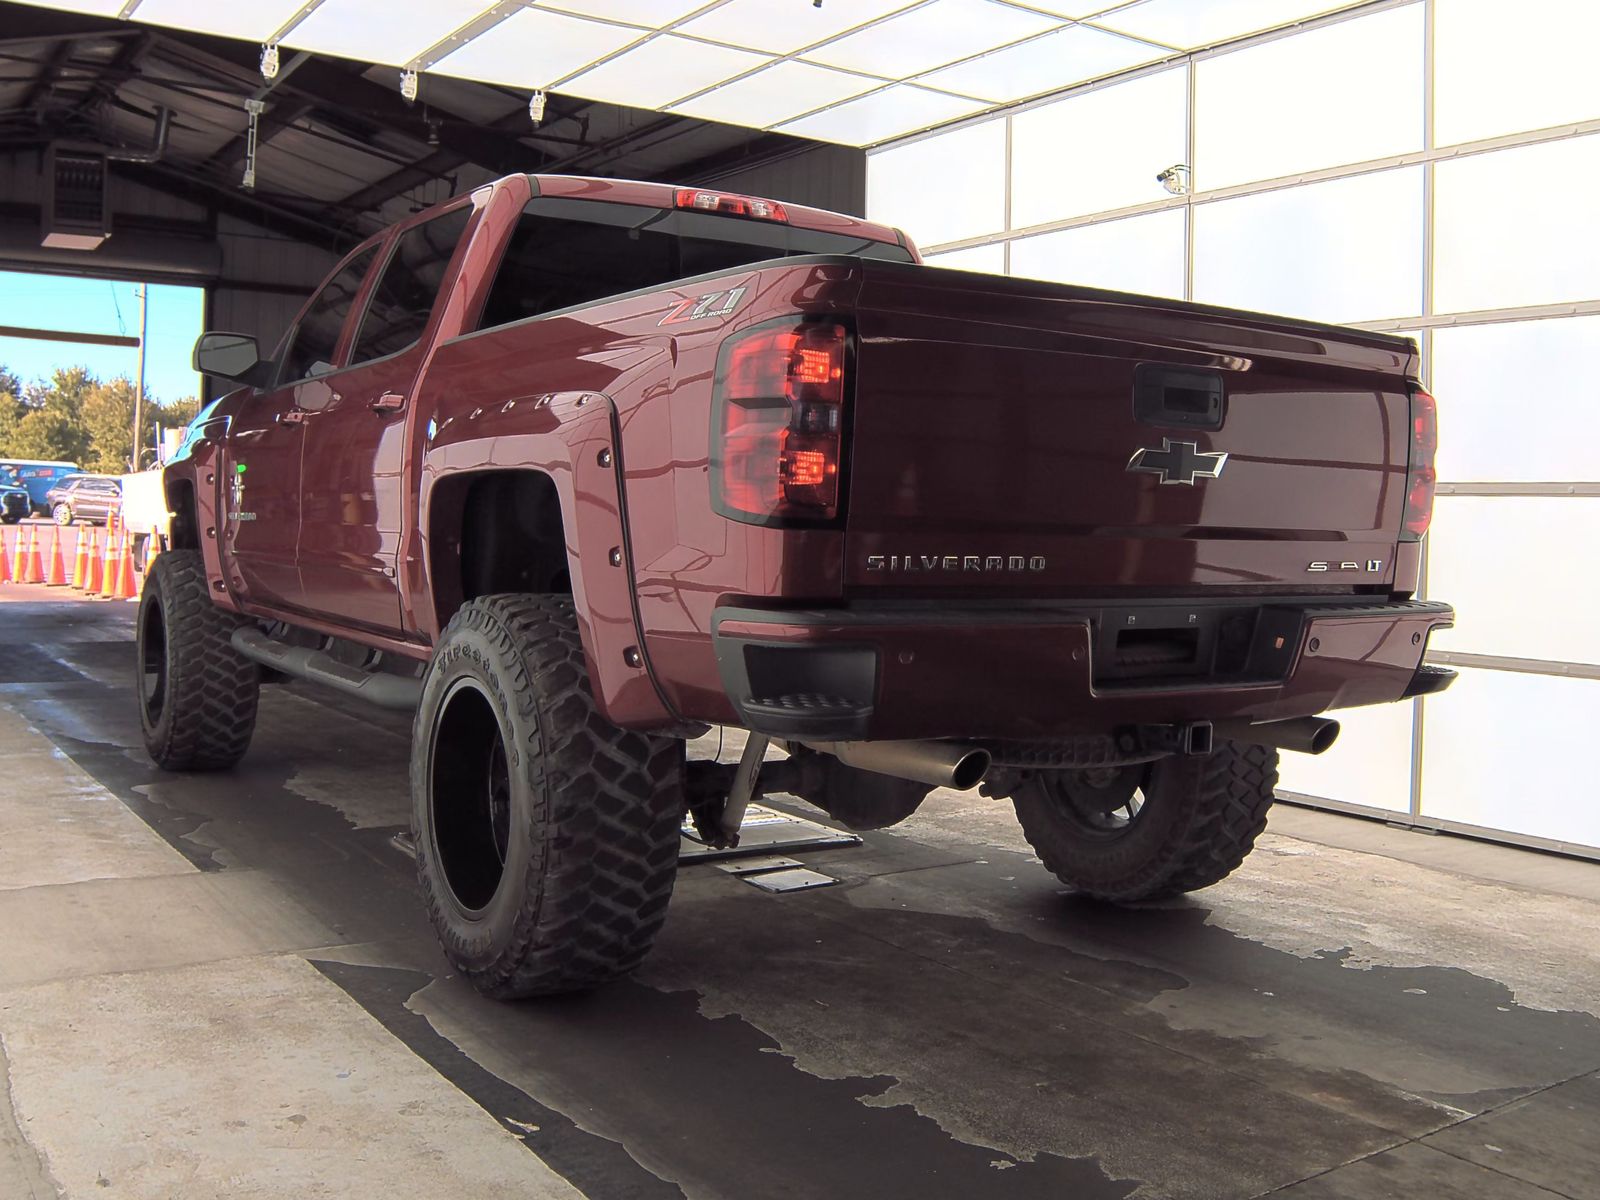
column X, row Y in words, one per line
column 225, row 986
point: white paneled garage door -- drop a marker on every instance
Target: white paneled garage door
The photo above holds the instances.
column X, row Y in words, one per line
column 1428, row 167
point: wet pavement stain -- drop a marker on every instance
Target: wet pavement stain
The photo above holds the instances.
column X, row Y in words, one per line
column 596, row 1166
column 715, row 1103
column 354, row 880
column 23, row 664
column 1415, row 1027
column 113, row 768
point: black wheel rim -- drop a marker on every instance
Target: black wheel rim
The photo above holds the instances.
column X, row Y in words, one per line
column 153, row 662
column 469, row 796
column 1104, row 803
column 498, row 783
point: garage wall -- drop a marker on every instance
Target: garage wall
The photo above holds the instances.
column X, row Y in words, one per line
column 156, row 236
column 1427, row 167
column 264, row 281
column 257, row 279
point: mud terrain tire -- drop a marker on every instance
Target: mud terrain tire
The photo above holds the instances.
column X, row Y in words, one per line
column 197, row 694
column 1198, row 820
column 547, row 838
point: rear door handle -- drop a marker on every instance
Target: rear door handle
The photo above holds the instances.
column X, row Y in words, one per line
column 388, row 402
column 293, row 416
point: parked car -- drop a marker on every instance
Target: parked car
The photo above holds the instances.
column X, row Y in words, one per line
column 91, row 498
column 14, row 504
column 576, row 468
column 37, row 477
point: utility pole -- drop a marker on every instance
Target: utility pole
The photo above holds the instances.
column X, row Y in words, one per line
column 138, row 394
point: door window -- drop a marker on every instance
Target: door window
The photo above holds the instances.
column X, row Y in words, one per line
column 403, row 299
column 314, row 340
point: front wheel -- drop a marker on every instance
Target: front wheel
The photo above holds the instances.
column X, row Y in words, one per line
column 197, row 694
column 61, row 514
column 547, row 838
column 1151, row 830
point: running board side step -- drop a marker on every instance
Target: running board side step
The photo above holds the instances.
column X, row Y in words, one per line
column 318, row 666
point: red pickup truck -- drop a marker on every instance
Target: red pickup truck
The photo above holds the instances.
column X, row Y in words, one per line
column 577, row 468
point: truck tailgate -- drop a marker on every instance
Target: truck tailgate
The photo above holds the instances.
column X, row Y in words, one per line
column 1020, row 438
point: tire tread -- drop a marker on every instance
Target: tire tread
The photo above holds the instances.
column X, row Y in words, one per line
column 1221, row 804
column 213, row 690
column 605, row 831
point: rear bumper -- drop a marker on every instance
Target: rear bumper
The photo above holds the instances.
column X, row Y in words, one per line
column 1028, row 674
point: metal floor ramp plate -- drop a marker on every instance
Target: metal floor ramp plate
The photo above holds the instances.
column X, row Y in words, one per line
column 766, row 831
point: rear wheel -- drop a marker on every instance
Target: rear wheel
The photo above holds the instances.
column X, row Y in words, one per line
column 61, row 514
column 197, row 694
column 547, row 838
column 1150, row 830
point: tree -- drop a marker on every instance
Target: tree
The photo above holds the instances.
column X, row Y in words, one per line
column 11, row 408
column 76, row 417
column 107, row 420
column 51, row 426
column 179, row 412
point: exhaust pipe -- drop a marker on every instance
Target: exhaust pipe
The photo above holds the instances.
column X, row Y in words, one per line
column 1307, row 735
column 939, row 764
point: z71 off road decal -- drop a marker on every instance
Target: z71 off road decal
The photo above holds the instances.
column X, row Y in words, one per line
column 717, row 304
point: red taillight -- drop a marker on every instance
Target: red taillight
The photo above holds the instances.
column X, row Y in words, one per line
column 778, row 423
column 1420, row 476
column 736, row 206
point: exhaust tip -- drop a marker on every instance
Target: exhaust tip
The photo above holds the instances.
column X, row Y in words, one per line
column 970, row 769
column 1324, row 737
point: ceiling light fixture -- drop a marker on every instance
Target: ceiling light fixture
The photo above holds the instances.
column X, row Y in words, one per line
column 1175, row 179
column 269, row 60
column 536, row 106
column 408, row 85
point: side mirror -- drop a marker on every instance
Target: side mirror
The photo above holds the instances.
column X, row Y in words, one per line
column 231, row 356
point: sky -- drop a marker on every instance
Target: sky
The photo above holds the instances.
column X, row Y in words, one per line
column 91, row 306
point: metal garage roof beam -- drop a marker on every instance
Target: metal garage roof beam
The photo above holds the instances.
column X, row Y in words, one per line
column 329, row 86
column 315, row 230
column 49, row 73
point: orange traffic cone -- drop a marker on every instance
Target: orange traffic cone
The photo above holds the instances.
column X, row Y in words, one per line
column 113, row 562
column 19, row 566
column 32, row 566
column 80, row 564
column 5, row 563
column 55, row 571
column 125, row 586
column 95, row 573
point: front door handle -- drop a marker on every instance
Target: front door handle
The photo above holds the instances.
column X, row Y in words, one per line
column 388, row 402
column 293, row 416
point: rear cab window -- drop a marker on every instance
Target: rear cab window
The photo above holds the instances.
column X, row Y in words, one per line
column 566, row 252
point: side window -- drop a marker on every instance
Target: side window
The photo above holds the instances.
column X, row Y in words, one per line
column 403, row 299
column 314, row 340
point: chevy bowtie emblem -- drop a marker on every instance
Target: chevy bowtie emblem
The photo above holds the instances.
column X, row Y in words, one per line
column 1178, row 462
